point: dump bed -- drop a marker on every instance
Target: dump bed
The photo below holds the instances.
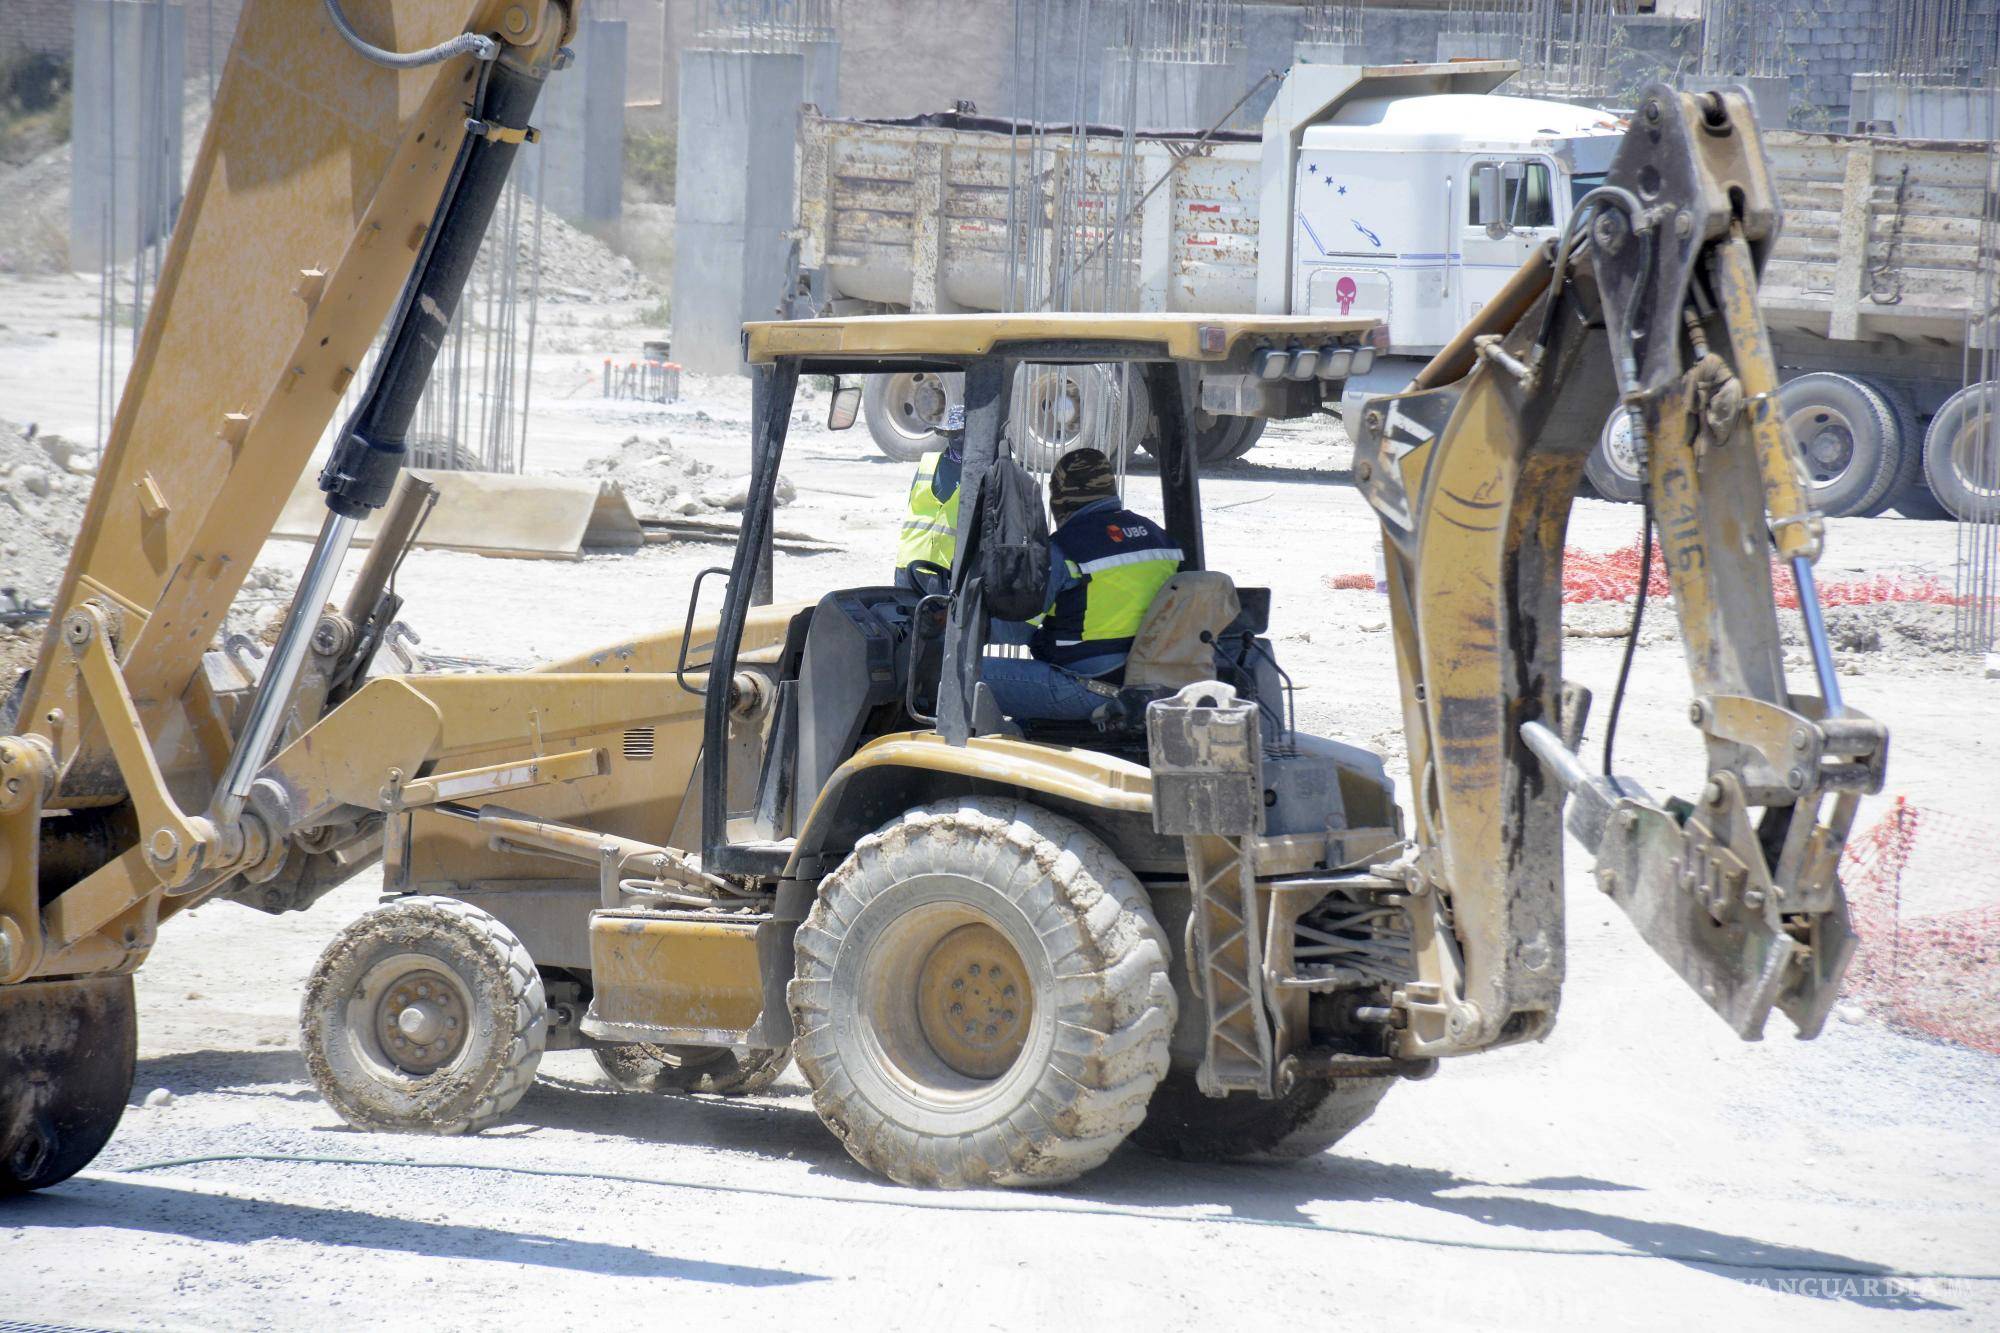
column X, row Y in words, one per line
column 915, row 214
column 1880, row 240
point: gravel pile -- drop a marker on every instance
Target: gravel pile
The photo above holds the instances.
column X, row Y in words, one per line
column 576, row 266
column 659, row 481
column 1883, row 632
column 44, row 484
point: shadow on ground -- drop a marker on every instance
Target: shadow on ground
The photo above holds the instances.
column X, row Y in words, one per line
column 227, row 1220
column 1304, row 1195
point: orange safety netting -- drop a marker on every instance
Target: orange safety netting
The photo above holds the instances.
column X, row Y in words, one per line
column 1938, row 974
column 1613, row 576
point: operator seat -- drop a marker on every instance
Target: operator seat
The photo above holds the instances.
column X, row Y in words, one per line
column 1175, row 645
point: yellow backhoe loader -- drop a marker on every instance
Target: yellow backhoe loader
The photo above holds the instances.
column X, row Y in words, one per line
column 996, row 947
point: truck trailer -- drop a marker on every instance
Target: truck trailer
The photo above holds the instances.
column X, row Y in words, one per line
column 1405, row 194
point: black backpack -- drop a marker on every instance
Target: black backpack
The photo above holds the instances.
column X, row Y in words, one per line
column 1012, row 556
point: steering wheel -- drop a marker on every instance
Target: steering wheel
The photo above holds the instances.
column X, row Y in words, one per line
column 931, row 578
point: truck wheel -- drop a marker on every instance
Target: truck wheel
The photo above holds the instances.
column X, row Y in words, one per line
column 1966, row 483
column 1917, row 501
column 1184, row 1124
column 717, row 1070
column 1613, row 466
column 903, row 411
column 981, row 998
column 1228, row 439
column 1217, row 440
column 66, row 1055
column 1909, row 453
column 1060, row 408
column 425, row 1016
column 1848, row 437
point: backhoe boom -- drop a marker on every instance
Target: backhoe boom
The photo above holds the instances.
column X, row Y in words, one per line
column 1648, row 306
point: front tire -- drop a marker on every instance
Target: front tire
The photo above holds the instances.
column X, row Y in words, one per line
column 1188, row 1126
column 981, row 998
column 426, row 1016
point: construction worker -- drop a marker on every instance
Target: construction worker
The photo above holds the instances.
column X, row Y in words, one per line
column 930, row 530
column 1106, row 564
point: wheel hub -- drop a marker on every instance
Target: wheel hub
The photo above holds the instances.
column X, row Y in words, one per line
column 923, row 402
column 1827, row 440
column 420, row 1021
column 974, row 1002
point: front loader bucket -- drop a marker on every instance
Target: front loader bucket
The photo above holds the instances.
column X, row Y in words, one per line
column 66, row 1056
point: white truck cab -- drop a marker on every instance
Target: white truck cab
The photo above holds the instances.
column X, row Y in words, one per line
column 1414, row 210
column 1410, row 205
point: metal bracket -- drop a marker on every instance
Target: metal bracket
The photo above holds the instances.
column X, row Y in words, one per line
column 177, row 845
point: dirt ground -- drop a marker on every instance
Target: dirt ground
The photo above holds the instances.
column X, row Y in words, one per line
column 1641, row 1167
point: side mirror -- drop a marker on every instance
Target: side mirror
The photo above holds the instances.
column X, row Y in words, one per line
column 1486, row 194
column 845, row 406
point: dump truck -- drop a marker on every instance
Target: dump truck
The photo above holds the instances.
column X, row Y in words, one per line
column 997, row 947
column 1408, row 193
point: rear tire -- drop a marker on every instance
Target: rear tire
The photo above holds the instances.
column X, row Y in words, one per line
column 1967, row 486
column 1021, row 926
column 1059, row 408
column 66, row 1057
column 1217, row 440
column 1185, row 1125
column 426, row 1016
column 1909, row 453
column 715, row 1070
column 901, row 408
column 1848, row 437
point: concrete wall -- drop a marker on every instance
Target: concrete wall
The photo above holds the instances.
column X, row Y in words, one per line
column 738, row 121
column 581, row 158
column 125, row 172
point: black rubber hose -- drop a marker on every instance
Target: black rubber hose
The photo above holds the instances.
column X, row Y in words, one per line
column 465, row 44
column 1631, row 635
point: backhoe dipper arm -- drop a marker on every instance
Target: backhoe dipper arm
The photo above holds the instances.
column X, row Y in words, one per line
column 1647, row 306
column 353, row 159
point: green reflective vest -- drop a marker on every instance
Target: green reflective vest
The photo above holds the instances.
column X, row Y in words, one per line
column 931, row 530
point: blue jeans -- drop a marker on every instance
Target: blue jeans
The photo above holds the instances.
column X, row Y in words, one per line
column 1024, row 687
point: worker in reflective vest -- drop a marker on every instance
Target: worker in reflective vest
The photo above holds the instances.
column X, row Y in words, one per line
column 1106, row 566
column 930, row 529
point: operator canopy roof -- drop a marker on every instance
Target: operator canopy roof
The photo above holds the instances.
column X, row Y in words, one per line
column 854, row 343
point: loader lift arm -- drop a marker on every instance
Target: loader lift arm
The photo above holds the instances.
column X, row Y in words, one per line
column 1647, row 306
column 353, row 160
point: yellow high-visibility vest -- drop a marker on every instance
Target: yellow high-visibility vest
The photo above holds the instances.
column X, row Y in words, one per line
column 931, row 530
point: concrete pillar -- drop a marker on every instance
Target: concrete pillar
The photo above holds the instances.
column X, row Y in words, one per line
column 125, row 128
column 1170, row 94
column 581, row 115
column 733, row 194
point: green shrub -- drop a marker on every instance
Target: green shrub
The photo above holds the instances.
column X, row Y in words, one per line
column 650, row 159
